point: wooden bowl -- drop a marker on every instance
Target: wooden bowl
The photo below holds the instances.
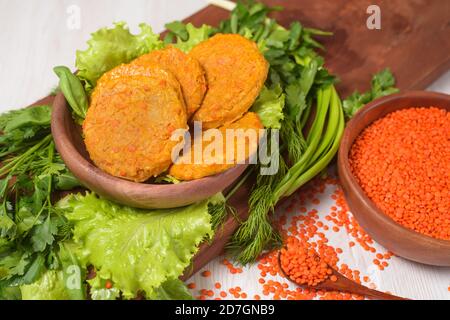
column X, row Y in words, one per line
column 393, row 236
column 70, row 145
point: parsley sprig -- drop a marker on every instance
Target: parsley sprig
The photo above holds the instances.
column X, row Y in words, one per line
column 31, row 170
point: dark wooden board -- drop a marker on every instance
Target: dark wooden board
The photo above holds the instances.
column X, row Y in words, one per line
column 413, row 41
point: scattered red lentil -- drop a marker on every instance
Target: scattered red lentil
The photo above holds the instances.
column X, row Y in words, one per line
column 217, row 285
column 232, row 269
column 206, row 273
column 191, row 285
column 310, row 227
column 108, row 284
column 402, row 163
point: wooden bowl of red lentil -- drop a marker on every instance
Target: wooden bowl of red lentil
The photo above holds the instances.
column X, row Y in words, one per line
column 71, row 147
column 391, row 229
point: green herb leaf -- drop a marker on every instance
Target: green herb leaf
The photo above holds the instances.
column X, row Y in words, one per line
column 34, row 272
column 66, row 181
column 383, row 84
column 36, row 116
column 43, row 235
column 8, row 227
column 13, row 263
column 73, row 90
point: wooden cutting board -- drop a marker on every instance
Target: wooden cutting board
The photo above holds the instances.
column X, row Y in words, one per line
column 413, row 41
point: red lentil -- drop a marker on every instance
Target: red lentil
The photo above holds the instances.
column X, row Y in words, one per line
column 108, row 284
column 401, row 162
column 206, row 273
column 302, row 264
column 310, row 226
column 191, row 285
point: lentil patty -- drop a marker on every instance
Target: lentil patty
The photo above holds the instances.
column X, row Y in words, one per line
column 235, row 72
column 248, row 147
column 186, row 69
column 128, row 126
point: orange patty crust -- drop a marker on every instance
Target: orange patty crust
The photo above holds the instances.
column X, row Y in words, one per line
column 133, row 113
column 235, row 71
column 186, row 69
column 247, row 144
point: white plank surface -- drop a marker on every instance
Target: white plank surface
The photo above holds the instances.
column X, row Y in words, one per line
column 34, row 37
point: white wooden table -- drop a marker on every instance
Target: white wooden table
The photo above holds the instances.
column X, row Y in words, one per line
column 35, row 37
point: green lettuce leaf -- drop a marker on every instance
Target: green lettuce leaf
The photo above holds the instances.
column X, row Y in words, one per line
column 73, row 273
column 194, row 35
column 173, row 289
column 109, row 48
column 99, row 291
column 138, row 250
column 49, row 287
column 10, row 293
column 269, row 107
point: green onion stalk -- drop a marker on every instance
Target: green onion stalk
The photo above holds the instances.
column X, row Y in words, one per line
column 321, row 145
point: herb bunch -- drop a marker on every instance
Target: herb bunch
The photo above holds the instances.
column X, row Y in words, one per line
column 31, row 170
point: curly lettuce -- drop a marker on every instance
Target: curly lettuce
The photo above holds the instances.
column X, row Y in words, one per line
column 110, row 47
column 50, row 286
column 138, row 250
column 187, row 35
column 269, row 107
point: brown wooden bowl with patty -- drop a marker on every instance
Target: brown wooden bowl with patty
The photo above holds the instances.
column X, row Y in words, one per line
column 70, row 144
column 393, row 236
